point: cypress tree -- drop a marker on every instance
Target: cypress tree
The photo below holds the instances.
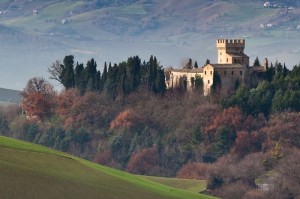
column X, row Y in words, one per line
column 79, row 83
column 68, row 72
column 196, row 64
column 104, row 74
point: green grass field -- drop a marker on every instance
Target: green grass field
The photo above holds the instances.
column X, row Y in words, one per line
column 186, row 184
column 32, row 171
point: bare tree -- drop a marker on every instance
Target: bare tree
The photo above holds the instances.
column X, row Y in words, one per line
column 56, row 70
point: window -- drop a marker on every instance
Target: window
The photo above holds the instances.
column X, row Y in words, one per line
column 210, row 72
column 232, row 72
column 205, row 72
column 208, row 82
column 241, row 73
column 225, row 72
column 227, row 60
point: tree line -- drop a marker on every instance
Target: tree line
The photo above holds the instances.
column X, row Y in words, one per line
column 116, row 80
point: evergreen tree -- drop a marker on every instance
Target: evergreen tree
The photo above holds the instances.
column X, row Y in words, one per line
column 216, row 87
column 67, row 75
column 256, row 62
column 207, row 61
column 79, row 82
column 196, row 64
column 188, row 65
column 160, row 81
column 90, row 75
column 104, row 76
column 199, row 84
column 98, row 81
column 133, row 67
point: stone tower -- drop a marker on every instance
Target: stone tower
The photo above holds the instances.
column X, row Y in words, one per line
column 231, row 51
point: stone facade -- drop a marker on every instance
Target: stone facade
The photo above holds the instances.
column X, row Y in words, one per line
column 232, row 67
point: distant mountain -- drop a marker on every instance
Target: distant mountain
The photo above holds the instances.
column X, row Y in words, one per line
column 36, row 33
column 8, row 95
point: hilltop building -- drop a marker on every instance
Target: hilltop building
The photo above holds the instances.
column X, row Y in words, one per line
column 232, row 68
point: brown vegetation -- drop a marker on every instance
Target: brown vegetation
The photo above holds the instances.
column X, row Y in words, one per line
column 194, row 171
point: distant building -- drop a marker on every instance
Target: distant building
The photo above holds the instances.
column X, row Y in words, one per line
column 35, row 12
column 267, row 4
column 232, row 68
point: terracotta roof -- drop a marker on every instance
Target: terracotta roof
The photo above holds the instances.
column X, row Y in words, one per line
column 194, row 70
column 228, row 66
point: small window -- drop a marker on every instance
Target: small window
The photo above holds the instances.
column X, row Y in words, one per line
column 241, row 73
column 208, row 82
column 232, row 72
column 227, row 60
column 210, row 72
column 205, row 72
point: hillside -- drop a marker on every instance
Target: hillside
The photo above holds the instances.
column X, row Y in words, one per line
column 171, row 30
column 10, row 96
column 32, row 171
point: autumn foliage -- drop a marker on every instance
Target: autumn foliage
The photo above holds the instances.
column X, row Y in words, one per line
column 231, row 118
column 38, row 99
column 193, row 171
column 127, row 119
column 246, row 143
column 144, row 161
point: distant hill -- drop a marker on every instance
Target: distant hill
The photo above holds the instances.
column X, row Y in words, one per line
column 31, row 171
column 36, row 33
column 11, row 96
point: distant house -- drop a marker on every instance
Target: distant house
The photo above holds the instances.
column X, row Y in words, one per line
column 35, row 12
column 267, row 4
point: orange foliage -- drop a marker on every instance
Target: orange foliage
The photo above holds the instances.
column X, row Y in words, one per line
column 38, row 99
column 127, row 118
column 231, row 118
column 144, row 161
column 65, row 101
column 193, row 171
column 90, row 110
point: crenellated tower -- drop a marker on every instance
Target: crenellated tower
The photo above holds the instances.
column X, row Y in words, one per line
column 231, row 51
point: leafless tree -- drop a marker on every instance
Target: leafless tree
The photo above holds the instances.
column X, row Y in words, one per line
column 55, row 71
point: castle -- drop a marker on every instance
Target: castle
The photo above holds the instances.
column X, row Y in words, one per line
column 232, row 68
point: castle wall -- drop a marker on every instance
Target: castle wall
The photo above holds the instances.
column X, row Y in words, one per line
column 206, row 74
column 233, row 69
column 231, row 77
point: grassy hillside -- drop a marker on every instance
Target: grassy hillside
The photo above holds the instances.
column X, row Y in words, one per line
column 186, row 184
column 31, row 171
